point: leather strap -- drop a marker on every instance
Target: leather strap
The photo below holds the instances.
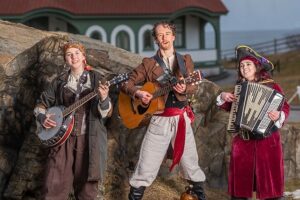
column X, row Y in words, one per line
column 82, row 80
column 167, row 72
column 181, row 64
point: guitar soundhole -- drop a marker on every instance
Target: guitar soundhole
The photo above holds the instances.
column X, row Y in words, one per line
column 142, row 109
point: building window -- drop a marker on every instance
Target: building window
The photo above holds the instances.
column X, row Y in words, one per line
column 210, row 36
column 122, row 40
column 96, row 32
column 148, row 41
column 96, row 35
column 179, row 40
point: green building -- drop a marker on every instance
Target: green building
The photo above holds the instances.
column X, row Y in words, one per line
column 127, row 23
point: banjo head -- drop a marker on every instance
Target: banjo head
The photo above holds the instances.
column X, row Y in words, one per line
column 48, row 133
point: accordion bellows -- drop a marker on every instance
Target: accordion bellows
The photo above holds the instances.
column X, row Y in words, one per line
column 250, row 110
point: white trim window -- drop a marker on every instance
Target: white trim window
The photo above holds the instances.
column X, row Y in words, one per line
column 96, row 32
column 179, row 40
column 121, row 39
column 146, row 42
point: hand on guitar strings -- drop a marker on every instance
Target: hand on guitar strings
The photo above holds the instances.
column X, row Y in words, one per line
column 144, row 96
column 103, row 90
column 48, row 122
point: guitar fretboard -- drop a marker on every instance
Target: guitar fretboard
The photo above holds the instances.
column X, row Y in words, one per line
column 162, row 91
column 169, row 87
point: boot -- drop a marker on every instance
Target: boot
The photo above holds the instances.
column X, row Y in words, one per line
column 238, row 198
column 136, row 193
column 198, row 189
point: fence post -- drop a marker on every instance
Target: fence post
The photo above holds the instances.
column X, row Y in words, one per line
column 275, row 46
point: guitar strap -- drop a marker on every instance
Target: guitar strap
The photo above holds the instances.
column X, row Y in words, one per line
column 162, row 64
column 181, row 64
column 167, row 72
column 164, row 78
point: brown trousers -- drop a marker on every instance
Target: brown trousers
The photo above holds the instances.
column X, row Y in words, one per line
column 67, row 169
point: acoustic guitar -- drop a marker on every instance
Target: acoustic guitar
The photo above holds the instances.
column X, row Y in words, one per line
column 64, row 121
column 134, row 113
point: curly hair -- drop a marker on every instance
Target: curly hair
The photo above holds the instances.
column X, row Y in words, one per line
column 164, row 24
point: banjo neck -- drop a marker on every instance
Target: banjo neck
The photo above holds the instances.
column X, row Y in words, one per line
column 79, row 103
column 116, row 80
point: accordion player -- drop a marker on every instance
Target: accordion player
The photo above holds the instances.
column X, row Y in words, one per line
column 250, row 110
column 258, row 110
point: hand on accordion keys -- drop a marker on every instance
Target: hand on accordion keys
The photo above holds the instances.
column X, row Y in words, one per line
column 274, row 115
column 227, row 96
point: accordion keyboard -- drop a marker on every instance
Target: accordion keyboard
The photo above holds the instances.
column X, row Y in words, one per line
column 231, row 128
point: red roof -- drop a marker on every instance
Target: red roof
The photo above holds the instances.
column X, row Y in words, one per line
column 110, row 7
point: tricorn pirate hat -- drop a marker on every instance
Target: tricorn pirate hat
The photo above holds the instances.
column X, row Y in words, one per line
column 243, row 51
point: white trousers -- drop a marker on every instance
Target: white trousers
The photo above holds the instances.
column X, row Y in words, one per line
column 161, row 131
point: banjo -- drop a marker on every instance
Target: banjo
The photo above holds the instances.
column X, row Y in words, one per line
column 64, row 121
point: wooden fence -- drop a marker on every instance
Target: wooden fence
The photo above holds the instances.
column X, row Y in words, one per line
column 285, row 44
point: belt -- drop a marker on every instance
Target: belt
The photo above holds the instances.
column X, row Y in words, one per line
column 248, row 135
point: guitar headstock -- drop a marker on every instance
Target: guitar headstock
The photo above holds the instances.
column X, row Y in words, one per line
column 194, row 78
column 118, row 79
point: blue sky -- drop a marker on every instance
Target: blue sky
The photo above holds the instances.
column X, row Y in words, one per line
column 261, row 15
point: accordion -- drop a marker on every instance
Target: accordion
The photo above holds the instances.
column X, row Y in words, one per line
column 250, row 110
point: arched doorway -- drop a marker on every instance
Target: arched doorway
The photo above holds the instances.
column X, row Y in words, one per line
column 210, row 36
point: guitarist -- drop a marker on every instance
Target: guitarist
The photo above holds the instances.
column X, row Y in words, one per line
column 78, row 163
column 173, row 125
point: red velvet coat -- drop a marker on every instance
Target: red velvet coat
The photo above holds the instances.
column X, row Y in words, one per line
column 257, row 165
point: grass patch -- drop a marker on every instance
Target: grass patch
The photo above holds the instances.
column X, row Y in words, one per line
column 292, row 185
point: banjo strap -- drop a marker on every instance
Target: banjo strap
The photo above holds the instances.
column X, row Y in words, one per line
column 82, row 80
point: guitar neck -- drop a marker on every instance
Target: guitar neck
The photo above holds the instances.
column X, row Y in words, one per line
column 194, row 79
column 79, row 103
column 168, row 88
column 162, row 91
